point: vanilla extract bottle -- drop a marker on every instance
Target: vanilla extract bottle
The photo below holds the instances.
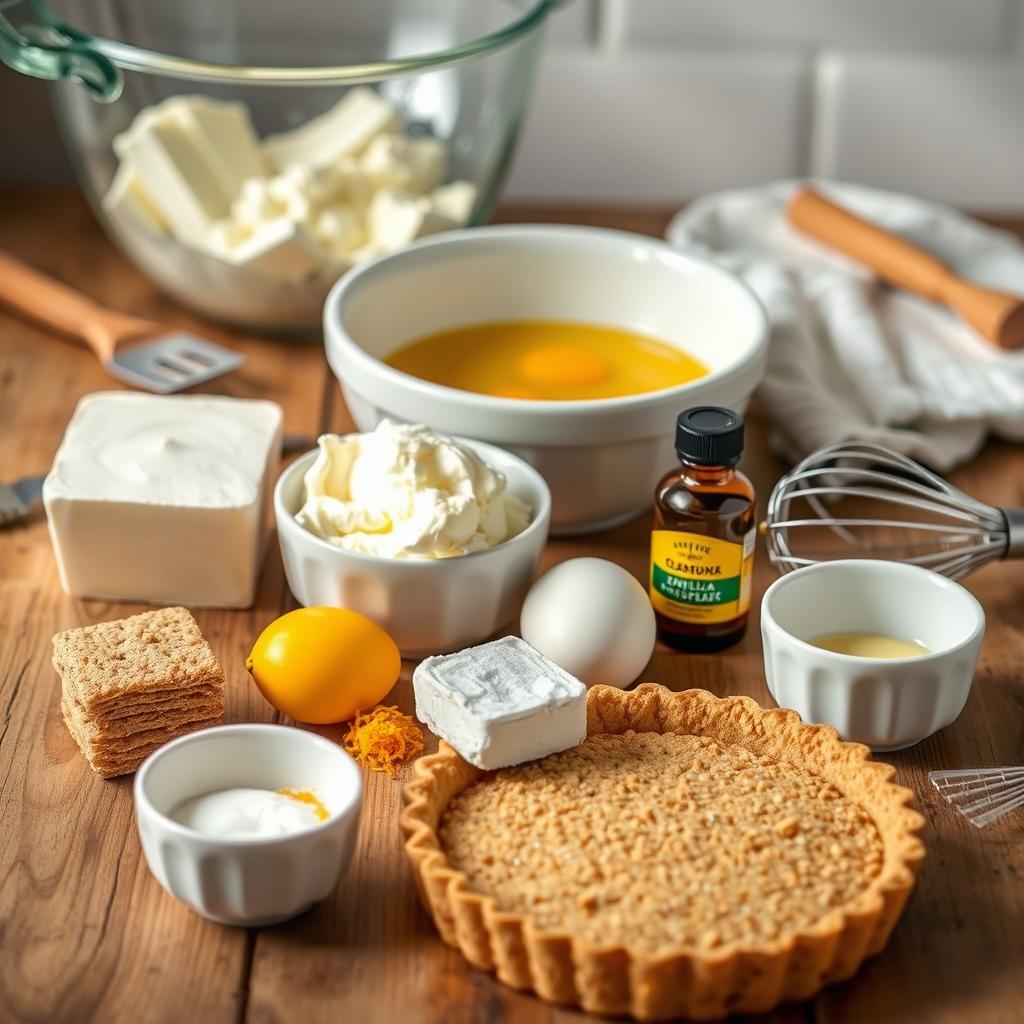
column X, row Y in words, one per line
column 702, row 543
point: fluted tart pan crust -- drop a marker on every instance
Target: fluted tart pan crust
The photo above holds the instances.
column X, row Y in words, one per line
column 740, row 977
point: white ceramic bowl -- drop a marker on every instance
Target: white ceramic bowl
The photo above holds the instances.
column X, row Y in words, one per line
column 601, row 458
column 885, row 703
column 428, row 606
column 248, row 881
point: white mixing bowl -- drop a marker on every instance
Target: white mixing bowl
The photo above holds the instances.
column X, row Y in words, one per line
column 601, row 458
column 427, row 606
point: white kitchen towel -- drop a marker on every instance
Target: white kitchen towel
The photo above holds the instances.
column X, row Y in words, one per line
column 850, row 359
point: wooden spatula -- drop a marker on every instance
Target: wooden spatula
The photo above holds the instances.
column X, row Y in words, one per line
column 139, row 352
column 996, row 316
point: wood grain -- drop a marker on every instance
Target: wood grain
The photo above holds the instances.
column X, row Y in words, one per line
column 87, row 934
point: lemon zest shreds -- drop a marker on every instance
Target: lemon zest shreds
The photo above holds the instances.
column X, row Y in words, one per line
column 383, row 738
column 303, row 796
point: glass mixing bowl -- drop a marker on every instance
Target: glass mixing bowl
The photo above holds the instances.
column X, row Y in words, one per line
column 457, row 71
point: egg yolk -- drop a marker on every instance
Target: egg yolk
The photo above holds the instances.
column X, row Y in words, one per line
column 547, row 360
column 563, row 364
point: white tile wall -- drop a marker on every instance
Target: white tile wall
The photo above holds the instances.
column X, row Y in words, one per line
column 956, row 25
column 681, row 96
column 658, row 128
column 574, row 25
column 656, row 101
column 946, row 129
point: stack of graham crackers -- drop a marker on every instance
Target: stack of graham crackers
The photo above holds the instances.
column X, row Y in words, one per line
column 127, row 687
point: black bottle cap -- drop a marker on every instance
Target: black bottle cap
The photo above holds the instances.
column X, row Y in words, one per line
column 709, row 435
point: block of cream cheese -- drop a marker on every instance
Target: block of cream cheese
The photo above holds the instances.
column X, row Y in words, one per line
column 501, row 703
column 229, row 127
column 164, row 499
column 399, row 161
column 454, row 201
column 344, row 130
column 398, row 218
column 191, row 155
column 280, row 248
column 129, row 205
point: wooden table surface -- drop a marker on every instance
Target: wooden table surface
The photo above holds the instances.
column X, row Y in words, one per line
column 87, row 934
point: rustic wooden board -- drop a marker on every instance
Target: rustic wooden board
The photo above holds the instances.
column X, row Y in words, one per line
column 86, row 933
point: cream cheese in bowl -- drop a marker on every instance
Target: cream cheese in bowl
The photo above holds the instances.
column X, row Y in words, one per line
column 404, row 491
column 436, row 539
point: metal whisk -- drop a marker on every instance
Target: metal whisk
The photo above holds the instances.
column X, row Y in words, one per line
column 981, row 795
column 900, row 511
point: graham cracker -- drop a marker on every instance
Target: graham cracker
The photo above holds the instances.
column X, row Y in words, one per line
column 109, row 762
column 145, row 703
column 155, row 651
column 140, row 728
column 131, row 759
column 131, row 685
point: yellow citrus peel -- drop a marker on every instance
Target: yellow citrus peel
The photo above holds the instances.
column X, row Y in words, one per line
column 303, row 796
column 383, row 738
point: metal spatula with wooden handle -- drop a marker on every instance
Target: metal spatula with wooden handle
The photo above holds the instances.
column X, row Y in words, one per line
column 139, row 352
column 997, row 316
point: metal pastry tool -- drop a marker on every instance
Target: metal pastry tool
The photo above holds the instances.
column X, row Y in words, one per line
column 881, row 504
column 141, row 353
column 981, row 795
column 19, row 498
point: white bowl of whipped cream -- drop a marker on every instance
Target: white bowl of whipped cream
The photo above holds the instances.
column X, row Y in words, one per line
column 435, row 538
column 603, row 457
column 248, row 824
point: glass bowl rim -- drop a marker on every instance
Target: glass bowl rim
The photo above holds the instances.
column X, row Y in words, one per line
column 135, row 58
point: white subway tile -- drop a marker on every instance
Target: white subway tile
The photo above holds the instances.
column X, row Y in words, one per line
column 572, row 26
column 951, row 130
column 654, row 128
column 959, row 25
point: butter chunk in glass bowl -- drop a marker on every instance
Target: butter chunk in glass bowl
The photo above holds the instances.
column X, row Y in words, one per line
column 246, row 155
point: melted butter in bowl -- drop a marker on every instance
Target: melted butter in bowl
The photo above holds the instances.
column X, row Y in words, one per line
column 547, row 361
column 870, row 645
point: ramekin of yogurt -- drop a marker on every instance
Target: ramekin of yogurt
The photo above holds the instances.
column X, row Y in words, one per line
column 435, row 538
column 248, row 824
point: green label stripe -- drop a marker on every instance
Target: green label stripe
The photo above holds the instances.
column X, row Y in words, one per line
column 697, row 592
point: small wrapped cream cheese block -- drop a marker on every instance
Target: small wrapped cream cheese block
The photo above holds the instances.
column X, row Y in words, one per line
column 501, row 703
column 164, row 499
column 344, row 130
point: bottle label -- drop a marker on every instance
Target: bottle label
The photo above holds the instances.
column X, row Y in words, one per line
column 698, row 579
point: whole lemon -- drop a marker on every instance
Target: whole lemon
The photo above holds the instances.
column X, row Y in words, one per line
column 322, row 665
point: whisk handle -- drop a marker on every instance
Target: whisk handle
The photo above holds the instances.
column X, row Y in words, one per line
column 1014, row 532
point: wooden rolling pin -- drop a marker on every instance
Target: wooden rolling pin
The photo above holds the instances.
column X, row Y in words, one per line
column 996, row 316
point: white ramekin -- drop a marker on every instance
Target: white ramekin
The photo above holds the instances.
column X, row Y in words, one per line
column 885, row 703
column 248, row 881
column 601, row 458
column 428, row 606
